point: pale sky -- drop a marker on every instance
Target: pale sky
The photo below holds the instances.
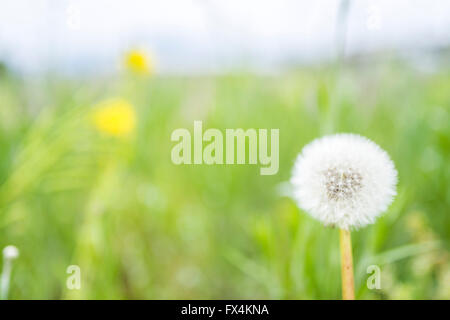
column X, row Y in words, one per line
column 188, row 35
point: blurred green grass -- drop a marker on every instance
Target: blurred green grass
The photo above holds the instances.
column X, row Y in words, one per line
column 141, row 227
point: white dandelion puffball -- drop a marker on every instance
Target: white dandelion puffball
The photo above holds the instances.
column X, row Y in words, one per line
column 10, row 252
column 344, row 180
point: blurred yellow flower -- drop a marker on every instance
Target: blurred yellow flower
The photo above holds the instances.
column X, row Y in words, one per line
column 115, row 117
column 138, row 62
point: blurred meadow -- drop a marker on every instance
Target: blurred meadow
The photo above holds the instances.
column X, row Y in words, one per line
column 86, row 179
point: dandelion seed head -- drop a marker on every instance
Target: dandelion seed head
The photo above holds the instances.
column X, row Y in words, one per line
column 10, row 252
column 344, row 180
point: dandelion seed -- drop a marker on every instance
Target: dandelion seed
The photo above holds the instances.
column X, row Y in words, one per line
column 139, row 62
column 115, row 117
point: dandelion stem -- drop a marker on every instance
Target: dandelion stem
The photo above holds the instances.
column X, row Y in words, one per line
column 348, row 288
column 6, row 274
